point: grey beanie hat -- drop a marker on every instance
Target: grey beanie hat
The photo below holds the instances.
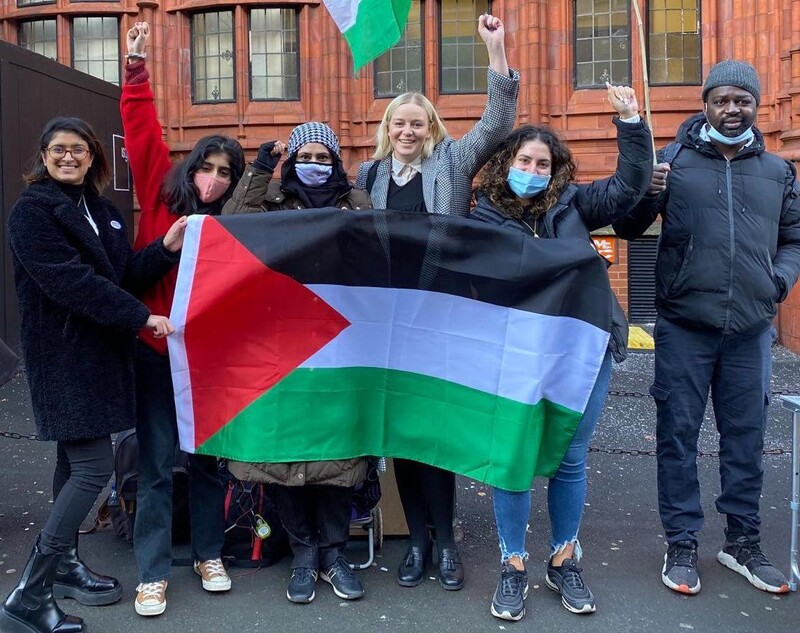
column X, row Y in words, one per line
column 313, row 132
column 732, row 72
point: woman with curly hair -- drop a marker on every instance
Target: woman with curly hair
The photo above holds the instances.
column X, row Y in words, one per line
column 528, row 186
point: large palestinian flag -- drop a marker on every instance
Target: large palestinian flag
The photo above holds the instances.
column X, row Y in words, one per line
column 325, row 334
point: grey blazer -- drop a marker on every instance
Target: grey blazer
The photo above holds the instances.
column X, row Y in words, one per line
column 448, row 172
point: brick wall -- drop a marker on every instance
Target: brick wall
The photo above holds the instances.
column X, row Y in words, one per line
column 539, row 41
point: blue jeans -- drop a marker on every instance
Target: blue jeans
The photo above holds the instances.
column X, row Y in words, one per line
column 566, row 492
column 157, row 432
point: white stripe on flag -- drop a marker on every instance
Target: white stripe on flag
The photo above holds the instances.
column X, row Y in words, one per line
column 343, row 12
column 179, row 362
column 513, row 353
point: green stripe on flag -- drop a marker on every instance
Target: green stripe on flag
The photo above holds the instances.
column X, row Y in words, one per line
column 322, row 414
column 378, row 26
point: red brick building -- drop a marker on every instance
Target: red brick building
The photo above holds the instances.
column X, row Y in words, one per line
column 255, row 70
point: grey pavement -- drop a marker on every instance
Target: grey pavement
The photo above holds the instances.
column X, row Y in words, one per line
column 622, row 540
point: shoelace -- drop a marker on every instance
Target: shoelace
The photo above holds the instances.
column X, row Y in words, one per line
column 304, row 574
column 572, row 576
column 510, row 584
column 340, row 568
column 151, row 589
column 683, row 557
column 214, row 567
column 754, row 550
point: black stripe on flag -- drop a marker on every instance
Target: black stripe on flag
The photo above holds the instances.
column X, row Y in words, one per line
column 459, row 256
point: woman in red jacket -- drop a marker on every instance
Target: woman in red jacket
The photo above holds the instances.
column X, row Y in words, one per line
column 202, row 183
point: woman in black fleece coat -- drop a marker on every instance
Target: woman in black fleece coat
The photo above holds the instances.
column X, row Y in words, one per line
column 75, row 272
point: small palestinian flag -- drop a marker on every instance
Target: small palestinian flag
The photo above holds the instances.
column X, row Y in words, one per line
column 325, row 334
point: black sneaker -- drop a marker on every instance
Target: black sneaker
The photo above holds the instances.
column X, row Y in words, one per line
column 744, row 556
column 512, row 589
column 566, row 580
column 680, row 568
column 343, row 580
column 301, row 585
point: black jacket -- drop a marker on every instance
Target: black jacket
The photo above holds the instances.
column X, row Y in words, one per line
column 730, row 236
column 582, row 208
column 78, row 322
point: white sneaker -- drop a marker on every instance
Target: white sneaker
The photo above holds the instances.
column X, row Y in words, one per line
column 152, row 598
column 214, row 576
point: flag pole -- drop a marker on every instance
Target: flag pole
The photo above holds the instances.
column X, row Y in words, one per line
column 638, row 13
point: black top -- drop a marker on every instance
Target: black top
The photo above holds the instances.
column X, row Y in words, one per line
column 73, row 191
column 407, row 198
column 729, row 248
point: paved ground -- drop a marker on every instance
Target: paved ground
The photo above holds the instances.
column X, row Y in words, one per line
column 622, row 540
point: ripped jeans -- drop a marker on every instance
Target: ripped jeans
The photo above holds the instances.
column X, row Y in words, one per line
column 566, row 492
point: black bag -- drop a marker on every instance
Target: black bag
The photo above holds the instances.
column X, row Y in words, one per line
column 120, row 506
column 254, row 534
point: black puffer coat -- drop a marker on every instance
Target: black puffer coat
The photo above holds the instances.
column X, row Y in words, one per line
column 582, row 208
column 78, row 322
column 730, row 237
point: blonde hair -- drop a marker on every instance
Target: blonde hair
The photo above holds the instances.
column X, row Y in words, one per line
column 383, row 145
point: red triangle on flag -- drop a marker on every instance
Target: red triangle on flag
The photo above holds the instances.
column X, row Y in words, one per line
column 247, row 327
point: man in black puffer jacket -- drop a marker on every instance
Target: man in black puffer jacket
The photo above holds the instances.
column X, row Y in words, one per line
column 729, row 253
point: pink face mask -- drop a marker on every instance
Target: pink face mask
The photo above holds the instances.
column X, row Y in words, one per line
column 209, row 187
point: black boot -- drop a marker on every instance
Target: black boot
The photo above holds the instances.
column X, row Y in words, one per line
column 75, row 580
column 451, row 570
column 30, row 607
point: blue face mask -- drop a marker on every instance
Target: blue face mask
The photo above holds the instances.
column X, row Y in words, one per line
column 526, row 185
column 715, row 134
column 313, row 174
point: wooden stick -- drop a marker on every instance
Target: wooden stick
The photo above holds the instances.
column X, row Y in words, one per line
column 643, row 45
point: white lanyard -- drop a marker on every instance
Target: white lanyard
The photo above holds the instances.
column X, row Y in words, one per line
column 88, row 215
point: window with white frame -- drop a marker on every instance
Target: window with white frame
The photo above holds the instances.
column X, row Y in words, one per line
column 95, row 47
column 274, row 55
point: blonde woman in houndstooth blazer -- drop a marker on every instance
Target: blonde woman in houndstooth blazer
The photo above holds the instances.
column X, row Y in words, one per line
column 418, row 168
column 412, row 139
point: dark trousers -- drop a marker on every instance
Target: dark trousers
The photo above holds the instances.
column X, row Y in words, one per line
column 428, row 495
column 157, row 432
column 736, row 369
column 83, row 468
column 317, row 520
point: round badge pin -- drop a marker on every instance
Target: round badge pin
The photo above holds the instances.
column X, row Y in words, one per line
column 116, row 224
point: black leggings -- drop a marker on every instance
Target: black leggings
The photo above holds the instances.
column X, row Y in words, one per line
column 427, row 494
column 83, row 468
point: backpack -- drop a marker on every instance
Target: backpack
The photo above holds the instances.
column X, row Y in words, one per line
column 670, row 152
column 254, row 534
column 371, row 175
column 120, row 506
